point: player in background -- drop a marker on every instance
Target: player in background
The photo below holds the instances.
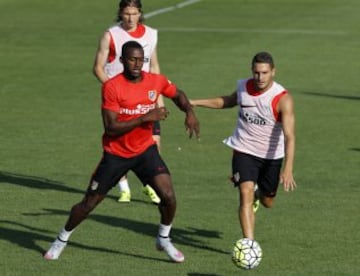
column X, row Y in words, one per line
column 264, row 135
column 128, row 111
column 107, row 64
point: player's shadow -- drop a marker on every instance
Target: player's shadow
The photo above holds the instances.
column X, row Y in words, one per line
column 190, row 236
column 34, row 182
column 342, row 97
column 28, row 237
column 202, row 274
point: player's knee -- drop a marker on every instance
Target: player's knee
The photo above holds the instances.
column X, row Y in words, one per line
column 267, row 202
column 168, row 198
column 89, row 203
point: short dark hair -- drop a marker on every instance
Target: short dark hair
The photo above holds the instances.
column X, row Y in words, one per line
column 129, row 3
column 263, row 57
column 130, row 45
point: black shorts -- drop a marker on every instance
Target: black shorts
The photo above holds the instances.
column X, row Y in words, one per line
column 111, row 168
column 156, row 128
column 264, row 172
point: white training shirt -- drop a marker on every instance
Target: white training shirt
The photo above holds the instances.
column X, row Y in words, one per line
column 259, row 129
column 120, row 36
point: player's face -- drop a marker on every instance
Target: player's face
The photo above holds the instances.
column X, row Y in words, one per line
column 263, row 75
column 133, row 62
column 130, row 18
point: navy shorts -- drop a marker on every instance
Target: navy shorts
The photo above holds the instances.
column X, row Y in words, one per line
column 264, row 172
column 156, row 128
column 112, row 167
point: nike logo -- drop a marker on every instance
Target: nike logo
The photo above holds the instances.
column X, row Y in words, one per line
column 246, row 106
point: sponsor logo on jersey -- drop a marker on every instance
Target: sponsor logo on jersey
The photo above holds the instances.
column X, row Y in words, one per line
column 247, row 106
column 140, row 109
column 252, row 118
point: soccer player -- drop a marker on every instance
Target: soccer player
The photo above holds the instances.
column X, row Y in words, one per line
column 128, row 111
column 107, row 64
column 264, row 135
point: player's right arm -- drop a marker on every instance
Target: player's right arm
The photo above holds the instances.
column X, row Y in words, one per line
column 101, row 58
column 217, row 102
column 113, row 127
column 286, row 108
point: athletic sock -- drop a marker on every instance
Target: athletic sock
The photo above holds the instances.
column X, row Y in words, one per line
column 164, row 230
column 124, row 185
column 64, row 235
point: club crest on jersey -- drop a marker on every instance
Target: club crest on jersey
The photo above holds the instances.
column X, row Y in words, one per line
column 152, row 95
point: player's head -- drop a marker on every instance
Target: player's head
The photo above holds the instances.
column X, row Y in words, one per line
column 132, row 58
column 130, row 12
column 263, row 70
column 263, row 57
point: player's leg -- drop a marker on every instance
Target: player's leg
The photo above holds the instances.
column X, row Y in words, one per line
column 147, row 190
column 167, row 207
column 124, row 189
column 153, row 170
column 105, row 177
column 78, row 213
column 269, row 182
column 256, row 203
column 246, row 211
column 245, row 174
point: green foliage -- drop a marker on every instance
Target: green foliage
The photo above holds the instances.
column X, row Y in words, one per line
column 51, row 129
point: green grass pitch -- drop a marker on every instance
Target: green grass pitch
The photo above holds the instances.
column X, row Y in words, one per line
column 51, row 128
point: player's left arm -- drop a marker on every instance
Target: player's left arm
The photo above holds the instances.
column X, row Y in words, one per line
column 192, row 124
column 155, row 69
column 286, row 108
column 154, row 63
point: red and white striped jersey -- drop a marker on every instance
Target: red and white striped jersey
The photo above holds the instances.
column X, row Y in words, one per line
column 259, row 129
column 144, row 35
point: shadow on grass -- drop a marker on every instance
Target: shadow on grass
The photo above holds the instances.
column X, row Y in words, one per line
column 41, row 183
column 28, row 237
column 355, row 149
column 202, row 274
column 189, row 236
column 342, row 97
column 35, row 182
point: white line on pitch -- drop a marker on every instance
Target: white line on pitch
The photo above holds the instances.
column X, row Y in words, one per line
column 243, row 30
column 171, row 8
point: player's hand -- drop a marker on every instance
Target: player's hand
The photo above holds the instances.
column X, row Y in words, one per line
column 157, row 114
column 287, row 179
column 192, row 125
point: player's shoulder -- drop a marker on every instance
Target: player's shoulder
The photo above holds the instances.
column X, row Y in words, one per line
column 154, row 76
column 243, row 85
column 115, row 26
column 279, row 88
column 158, row 79
column 148, row 28
column 113, row 81
column 243, row 81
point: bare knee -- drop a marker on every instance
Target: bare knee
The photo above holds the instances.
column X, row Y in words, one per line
column 168, row 197
column 267, row 202
column 89, row 203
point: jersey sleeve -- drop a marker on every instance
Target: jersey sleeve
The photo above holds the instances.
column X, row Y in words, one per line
column 168, row 88
column 109, row 97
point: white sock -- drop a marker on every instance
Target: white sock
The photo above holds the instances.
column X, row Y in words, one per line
column 64, row 235
column 164, row 230
column 124, row 185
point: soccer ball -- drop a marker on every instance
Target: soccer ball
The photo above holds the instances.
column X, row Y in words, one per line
column 247, row 253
